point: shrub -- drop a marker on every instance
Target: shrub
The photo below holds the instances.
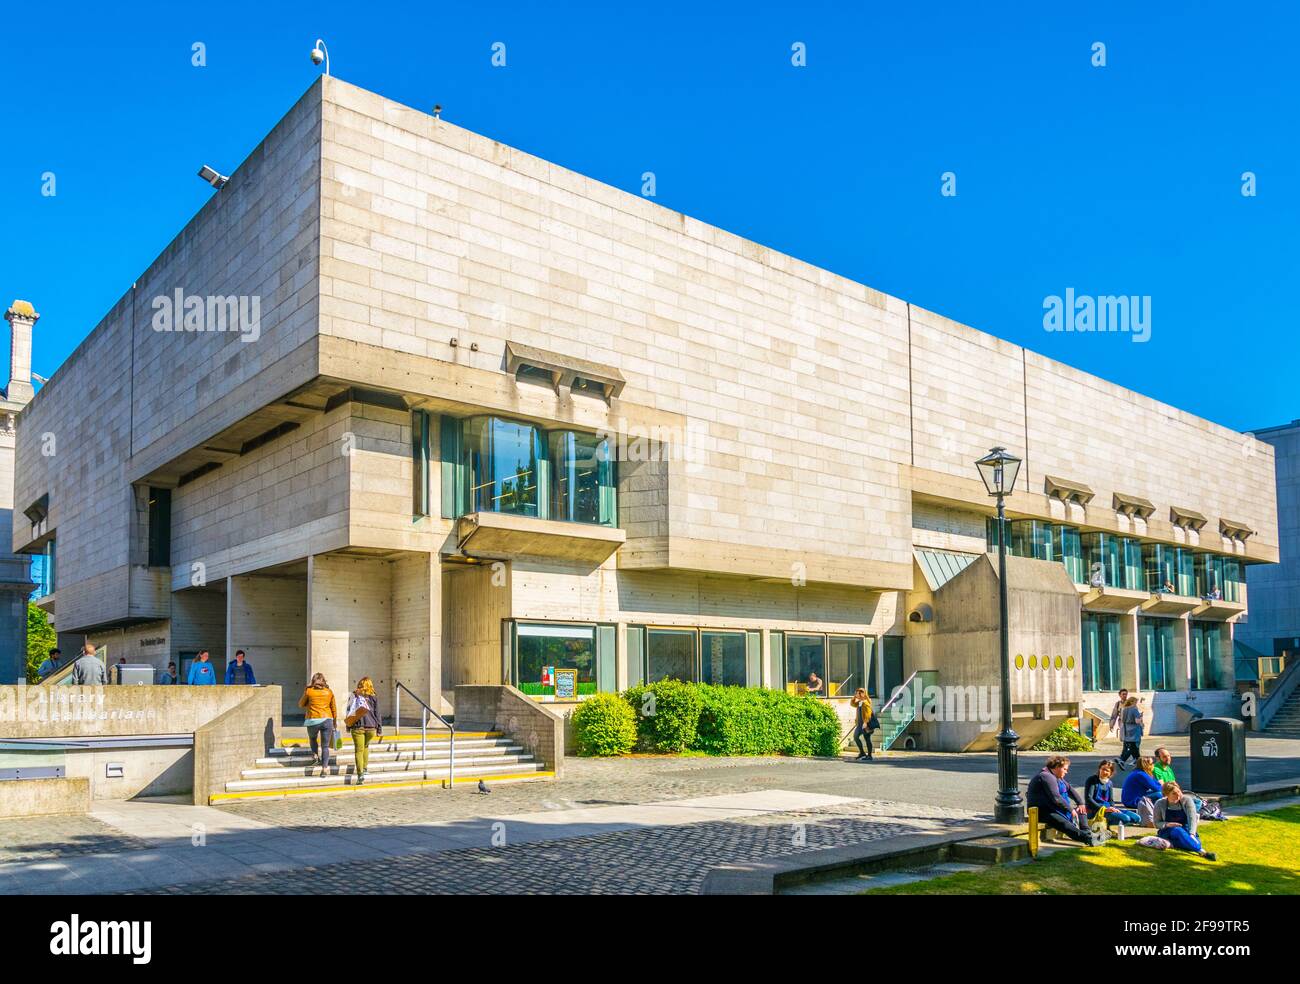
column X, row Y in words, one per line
column 747, row 721
column 604, row 724
column 732, row 720
column 672, row 726
column 1063, row 739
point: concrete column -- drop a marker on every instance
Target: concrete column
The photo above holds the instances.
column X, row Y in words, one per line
column 417, row 625
column 620, row 657
column 1183, row 653
column 265, row 617
column 1129, row 652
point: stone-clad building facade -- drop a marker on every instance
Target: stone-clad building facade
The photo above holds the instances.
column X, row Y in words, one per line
column 15, row 570
column 480, row 417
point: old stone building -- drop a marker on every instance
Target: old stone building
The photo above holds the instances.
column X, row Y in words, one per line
column 403, row 401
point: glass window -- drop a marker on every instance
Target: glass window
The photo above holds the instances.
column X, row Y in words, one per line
column 723, row 658
column 160, row 527
column 1131, row 550
column 635, row 655
column 1070, row 550
column 1186, row 568
column 847, row 667
column 505, row 461
column 1032, row 538
column 1207, row 655
column 1101, row 658
column 419, row 463
column 582, row 476
column 1103, row 558
column 542, row 649
column 1233, row 579
column 805, row 664
column 1156, row 656
column 1160, row 566
column 670, row 655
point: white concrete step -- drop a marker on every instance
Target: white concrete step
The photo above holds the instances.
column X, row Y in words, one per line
column 349, row 768
column 301, row 756
column 377, row 778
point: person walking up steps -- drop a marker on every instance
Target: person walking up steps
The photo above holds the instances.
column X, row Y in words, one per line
column 363, row 723
column 322, row 718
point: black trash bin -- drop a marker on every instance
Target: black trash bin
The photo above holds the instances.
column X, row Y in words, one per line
column 1218, row 756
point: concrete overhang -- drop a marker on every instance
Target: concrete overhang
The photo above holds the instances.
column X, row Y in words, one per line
column 1111, row 599
column 1218, row 609
column 1170, row 604
column 501, row 536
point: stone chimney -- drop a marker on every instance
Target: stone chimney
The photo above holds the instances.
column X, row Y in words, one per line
column 22, row 318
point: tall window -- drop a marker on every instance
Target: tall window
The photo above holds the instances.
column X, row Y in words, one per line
column 805, row 664
column 1101, row 658
column 670, row 655
column 582, row 478
column 1156, row 656
column 420, row 463
column 1160, row 566
column 1071, row 553
column 1207, row 655
column 723, row 658
column 847, row 666
column 160, row 527
column 505, row 461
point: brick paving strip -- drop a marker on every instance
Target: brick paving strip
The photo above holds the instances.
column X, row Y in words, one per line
column 673, row 857
column 641, row 847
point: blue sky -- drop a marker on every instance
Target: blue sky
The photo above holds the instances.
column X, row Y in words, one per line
column 1122, row 179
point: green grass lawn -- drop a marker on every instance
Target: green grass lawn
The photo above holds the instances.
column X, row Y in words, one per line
column 1258, row 855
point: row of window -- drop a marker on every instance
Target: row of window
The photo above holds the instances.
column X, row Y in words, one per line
column 492, row 464
column 817, row 664
column 1107, row 560
column 1157, row 654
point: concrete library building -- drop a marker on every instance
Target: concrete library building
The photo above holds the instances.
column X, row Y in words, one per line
column 404, row 402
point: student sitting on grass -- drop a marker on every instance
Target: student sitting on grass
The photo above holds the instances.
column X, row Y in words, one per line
column 1099, row 794
column 1141, row 790
column 1059, row 804
column 1176, row 821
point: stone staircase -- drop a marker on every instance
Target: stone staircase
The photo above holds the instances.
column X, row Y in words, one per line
column 1286, row 722
column 396, row 762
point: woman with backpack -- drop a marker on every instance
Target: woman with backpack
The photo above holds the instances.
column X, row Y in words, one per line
column 363, row 723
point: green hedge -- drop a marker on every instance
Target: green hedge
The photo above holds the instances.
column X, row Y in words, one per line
column 731, row 720
column 604, row 725
column 1063, row 739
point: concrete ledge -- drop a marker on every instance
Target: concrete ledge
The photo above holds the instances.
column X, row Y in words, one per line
column 498, row 707
column 44, row 797
column 228, row 744
column 1262, row 793
column 766, row 877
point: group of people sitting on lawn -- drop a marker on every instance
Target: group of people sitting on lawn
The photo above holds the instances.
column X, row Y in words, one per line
column 1149, row 797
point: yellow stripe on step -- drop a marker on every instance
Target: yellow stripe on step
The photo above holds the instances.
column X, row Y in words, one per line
column 216, row 798
column 401, row 739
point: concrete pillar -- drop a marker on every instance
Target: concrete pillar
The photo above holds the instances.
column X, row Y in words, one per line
column 620, row 657
column 417, row 625
column 266, row 617
column 1183, row 653
column 1129, row 652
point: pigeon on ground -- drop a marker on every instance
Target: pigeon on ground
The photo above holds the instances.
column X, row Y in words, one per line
column 482, row 787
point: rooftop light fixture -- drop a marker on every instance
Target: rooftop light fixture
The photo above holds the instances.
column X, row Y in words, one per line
column 319, row 54
column 217, row 181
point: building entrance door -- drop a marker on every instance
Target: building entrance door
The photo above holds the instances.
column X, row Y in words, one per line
column 892, row 671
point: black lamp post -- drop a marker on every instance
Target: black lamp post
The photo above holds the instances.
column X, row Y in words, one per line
column 999, row 469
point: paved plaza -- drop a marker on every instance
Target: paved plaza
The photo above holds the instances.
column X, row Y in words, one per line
column 627, row 826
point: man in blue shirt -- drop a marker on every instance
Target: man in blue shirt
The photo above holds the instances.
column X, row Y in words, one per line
column 240, row 672
column 201, row 672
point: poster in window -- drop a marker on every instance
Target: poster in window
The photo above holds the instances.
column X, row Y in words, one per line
column 566, row 684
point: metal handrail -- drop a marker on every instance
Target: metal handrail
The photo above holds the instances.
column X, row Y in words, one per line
column 904, row 689
column 425, row 711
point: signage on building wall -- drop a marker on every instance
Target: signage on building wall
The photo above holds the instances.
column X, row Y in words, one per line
column 566, row 684
column 153, row 642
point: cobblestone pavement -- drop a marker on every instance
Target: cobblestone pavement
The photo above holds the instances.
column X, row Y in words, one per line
column 658, row 860
column 48, row 838
column 589, row 782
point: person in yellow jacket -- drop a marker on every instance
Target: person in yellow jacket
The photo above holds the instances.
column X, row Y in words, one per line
column 322, row 718
column 862, row 724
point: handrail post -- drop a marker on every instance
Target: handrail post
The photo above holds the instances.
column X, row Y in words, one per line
column 451, row 759
column 424, row 723
column 397, row 709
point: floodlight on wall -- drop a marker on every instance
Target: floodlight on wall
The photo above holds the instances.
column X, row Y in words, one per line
column 319, row 54
column 212, row 177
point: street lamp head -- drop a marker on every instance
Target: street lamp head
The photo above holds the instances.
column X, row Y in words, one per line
column 999, row 469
